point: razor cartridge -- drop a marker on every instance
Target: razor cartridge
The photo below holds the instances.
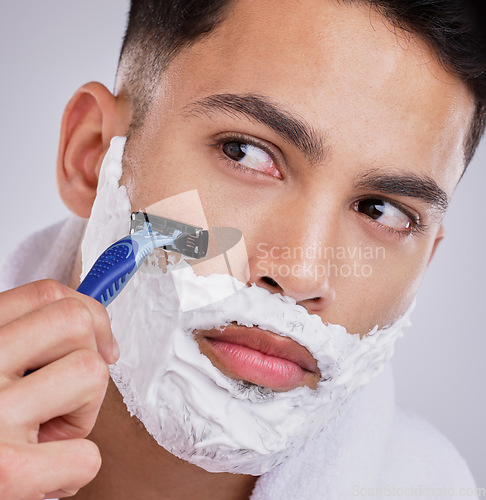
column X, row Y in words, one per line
column 192, row 243
column 119, row 262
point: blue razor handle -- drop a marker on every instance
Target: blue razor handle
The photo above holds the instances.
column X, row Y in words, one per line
column 111, row 271
column 119, row 262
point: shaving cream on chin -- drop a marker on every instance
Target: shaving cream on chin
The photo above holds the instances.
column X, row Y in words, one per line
column 184, row 402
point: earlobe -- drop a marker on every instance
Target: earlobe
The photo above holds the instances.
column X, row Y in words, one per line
column 86, row 131
column 439, row 237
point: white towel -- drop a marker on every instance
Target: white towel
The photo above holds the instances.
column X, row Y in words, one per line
column 48, row 253
column 374, row 449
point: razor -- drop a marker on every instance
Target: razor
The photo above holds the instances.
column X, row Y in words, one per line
column 119, row 262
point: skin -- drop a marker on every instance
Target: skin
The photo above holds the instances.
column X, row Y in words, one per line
column 379, row 100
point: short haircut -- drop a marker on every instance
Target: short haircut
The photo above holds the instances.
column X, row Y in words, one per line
column 159, row 29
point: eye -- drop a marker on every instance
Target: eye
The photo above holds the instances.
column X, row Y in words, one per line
column 250, row 156
column 387, row 214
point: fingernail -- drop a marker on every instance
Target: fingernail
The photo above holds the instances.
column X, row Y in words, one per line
column 116, row 349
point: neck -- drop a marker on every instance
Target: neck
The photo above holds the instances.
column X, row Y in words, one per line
column 135, row 466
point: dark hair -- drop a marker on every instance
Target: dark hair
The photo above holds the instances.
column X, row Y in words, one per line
column 159, row 29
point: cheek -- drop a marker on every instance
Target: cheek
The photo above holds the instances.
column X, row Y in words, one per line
column 159, row 167
column 381, row 289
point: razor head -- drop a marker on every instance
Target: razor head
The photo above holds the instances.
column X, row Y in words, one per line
column 192, row 243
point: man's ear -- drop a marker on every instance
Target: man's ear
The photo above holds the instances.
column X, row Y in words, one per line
column 438, row 238
column 87, row 127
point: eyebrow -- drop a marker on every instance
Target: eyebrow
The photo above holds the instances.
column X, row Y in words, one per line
column 410, row 184
column 311, row 143
column 291, row 128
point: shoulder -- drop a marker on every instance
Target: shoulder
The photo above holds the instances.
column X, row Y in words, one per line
column 418, row 454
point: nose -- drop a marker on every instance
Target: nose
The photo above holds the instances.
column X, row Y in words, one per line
column 291, row 259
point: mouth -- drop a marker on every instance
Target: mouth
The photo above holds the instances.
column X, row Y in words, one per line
column 259, row 356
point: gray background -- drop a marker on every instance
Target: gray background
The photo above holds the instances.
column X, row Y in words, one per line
column 50, row 48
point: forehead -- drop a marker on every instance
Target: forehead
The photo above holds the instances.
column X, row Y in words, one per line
column 345, row 69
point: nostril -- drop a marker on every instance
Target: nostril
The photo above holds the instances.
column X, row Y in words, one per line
column 270, row 281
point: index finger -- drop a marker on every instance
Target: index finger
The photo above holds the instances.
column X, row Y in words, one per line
column 25, row 299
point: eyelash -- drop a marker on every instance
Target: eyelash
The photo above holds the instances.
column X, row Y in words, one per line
column 417, row 227
column 237, row 137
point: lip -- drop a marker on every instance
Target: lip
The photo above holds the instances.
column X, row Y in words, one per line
column 259, row 356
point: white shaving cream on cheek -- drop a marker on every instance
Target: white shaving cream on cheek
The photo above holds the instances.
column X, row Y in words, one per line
column 187, row 404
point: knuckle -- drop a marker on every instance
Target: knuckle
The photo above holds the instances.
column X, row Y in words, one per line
column 12, row 418
column 76, row 315
column 99, row 317
column 11, row 415
column 48, row 291
column 96, row 306
column 91, row 365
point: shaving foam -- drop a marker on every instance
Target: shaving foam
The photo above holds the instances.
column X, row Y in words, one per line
column 192, row 409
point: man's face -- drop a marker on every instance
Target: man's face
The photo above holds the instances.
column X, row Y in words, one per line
column 340, row 198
